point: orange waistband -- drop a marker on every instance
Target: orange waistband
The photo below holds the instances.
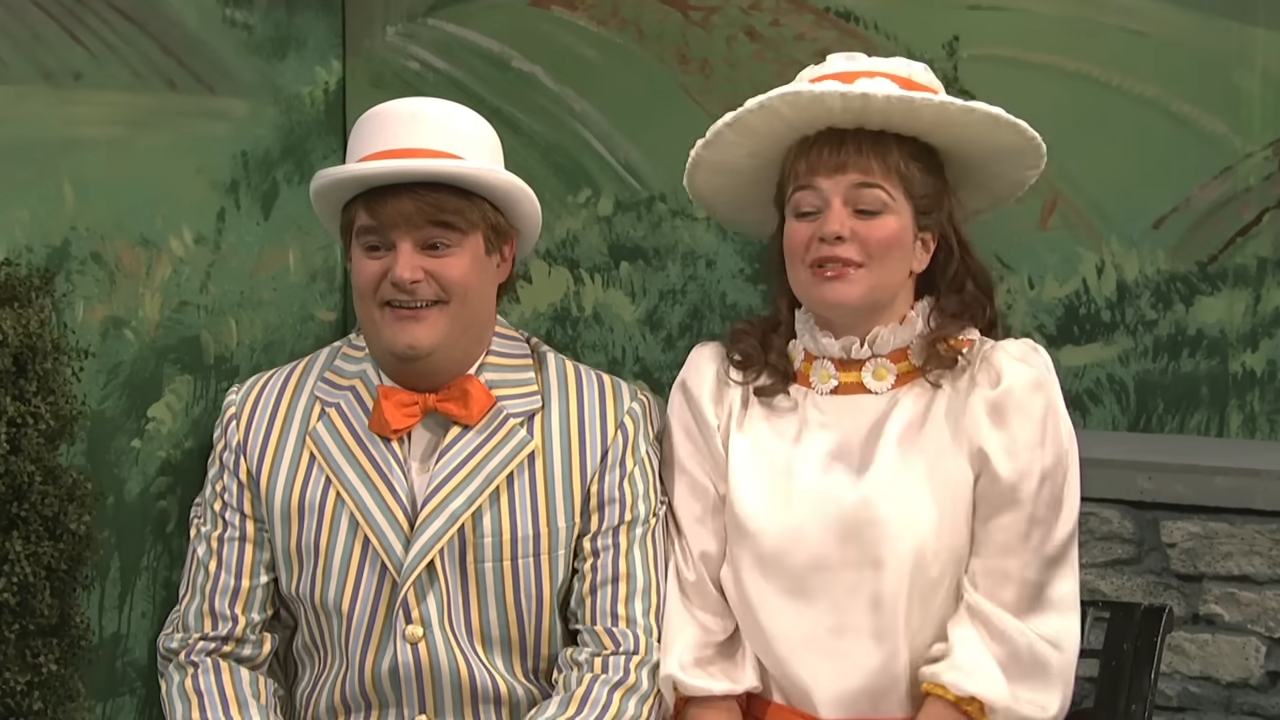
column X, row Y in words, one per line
column 755, row 707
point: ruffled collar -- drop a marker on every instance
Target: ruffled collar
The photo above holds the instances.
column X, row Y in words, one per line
column 880, row 341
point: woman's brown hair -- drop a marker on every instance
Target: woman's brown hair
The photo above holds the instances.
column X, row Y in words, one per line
column 960, row 285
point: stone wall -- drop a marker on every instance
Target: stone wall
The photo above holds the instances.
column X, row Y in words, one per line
column 1220, row 571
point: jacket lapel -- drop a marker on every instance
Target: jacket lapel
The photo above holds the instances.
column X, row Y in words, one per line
column 474, row 460
column 368, row 470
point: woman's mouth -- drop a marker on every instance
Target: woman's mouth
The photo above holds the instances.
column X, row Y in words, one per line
column 833, row 267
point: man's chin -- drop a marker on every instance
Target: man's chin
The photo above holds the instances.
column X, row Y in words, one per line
column 397, row 347
column 412, row 352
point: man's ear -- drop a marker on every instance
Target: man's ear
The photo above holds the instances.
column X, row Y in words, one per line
column 506, row 258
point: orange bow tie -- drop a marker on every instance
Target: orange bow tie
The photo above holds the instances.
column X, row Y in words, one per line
column 396, row 411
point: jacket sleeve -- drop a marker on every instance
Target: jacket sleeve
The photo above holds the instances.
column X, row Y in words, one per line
column 213, row 650
column 1013, row 644
column 616, row 592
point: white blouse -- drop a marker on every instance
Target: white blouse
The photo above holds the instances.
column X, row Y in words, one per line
column 834, row 552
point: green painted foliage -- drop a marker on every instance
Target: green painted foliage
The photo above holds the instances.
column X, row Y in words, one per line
column 176, row 318
column 1146, row 345
column 46, row 537
column 1142, row 344
column 630, row 286
column 175, row 311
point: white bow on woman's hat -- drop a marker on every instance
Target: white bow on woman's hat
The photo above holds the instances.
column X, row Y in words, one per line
column 991, row 157
column 425, row 139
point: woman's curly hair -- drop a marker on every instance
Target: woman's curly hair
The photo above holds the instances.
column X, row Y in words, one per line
column 960, row 285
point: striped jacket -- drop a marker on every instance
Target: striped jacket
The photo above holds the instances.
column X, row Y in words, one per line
column 528, row 585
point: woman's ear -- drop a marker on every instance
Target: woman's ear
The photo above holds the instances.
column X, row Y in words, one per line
column 926, row 243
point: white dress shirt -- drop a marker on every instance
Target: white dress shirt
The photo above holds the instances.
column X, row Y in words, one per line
column 422, row 445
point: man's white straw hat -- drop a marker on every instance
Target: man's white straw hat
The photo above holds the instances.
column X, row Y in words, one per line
column 991, row 157
column 425, row 139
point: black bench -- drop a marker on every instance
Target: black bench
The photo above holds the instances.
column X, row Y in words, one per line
column 1128, row 657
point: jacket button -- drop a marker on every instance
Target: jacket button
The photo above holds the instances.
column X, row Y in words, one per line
column 413, row 634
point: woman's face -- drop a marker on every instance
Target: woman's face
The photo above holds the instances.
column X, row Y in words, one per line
column 852, row 250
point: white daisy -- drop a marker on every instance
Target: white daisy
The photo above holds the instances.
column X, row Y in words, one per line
column 795, row 351
column 879, row 375
column 917, row 351
column 823, row 377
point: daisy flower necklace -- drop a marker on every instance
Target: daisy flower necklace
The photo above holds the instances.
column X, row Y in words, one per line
column 889, row 358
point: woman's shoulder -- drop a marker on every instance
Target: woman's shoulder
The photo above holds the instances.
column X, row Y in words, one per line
column 702, row 394
column 706, row 364
column 707, row 354
column 1011, row 366
column 707, row 370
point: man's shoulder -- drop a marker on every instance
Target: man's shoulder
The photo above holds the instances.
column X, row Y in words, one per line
column 584, row 383
column 294, row 379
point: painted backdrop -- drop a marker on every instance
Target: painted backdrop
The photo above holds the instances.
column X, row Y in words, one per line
column 157, row 152
column 1144, row 259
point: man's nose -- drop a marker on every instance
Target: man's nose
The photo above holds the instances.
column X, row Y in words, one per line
column 406, row 267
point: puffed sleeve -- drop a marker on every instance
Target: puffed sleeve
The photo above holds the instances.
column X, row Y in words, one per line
column 702, row 652
column 1014, row 641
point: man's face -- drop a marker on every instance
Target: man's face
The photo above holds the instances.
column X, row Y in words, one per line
column 419, row 291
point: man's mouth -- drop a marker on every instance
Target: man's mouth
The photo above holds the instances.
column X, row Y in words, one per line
column 413, row 304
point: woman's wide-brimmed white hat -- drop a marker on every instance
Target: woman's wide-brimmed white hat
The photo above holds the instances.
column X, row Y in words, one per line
column 991, row 157
column 426, row 139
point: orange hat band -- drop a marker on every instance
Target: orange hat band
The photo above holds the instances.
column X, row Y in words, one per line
column 851, row 77
column 410, row 154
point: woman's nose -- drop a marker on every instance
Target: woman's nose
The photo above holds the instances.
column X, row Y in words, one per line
column 835, row 227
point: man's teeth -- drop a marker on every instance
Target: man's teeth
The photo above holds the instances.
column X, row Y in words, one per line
column 417, row 305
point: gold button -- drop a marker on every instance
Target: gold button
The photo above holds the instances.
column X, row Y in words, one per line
column 413, row 634
column 423, row 716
